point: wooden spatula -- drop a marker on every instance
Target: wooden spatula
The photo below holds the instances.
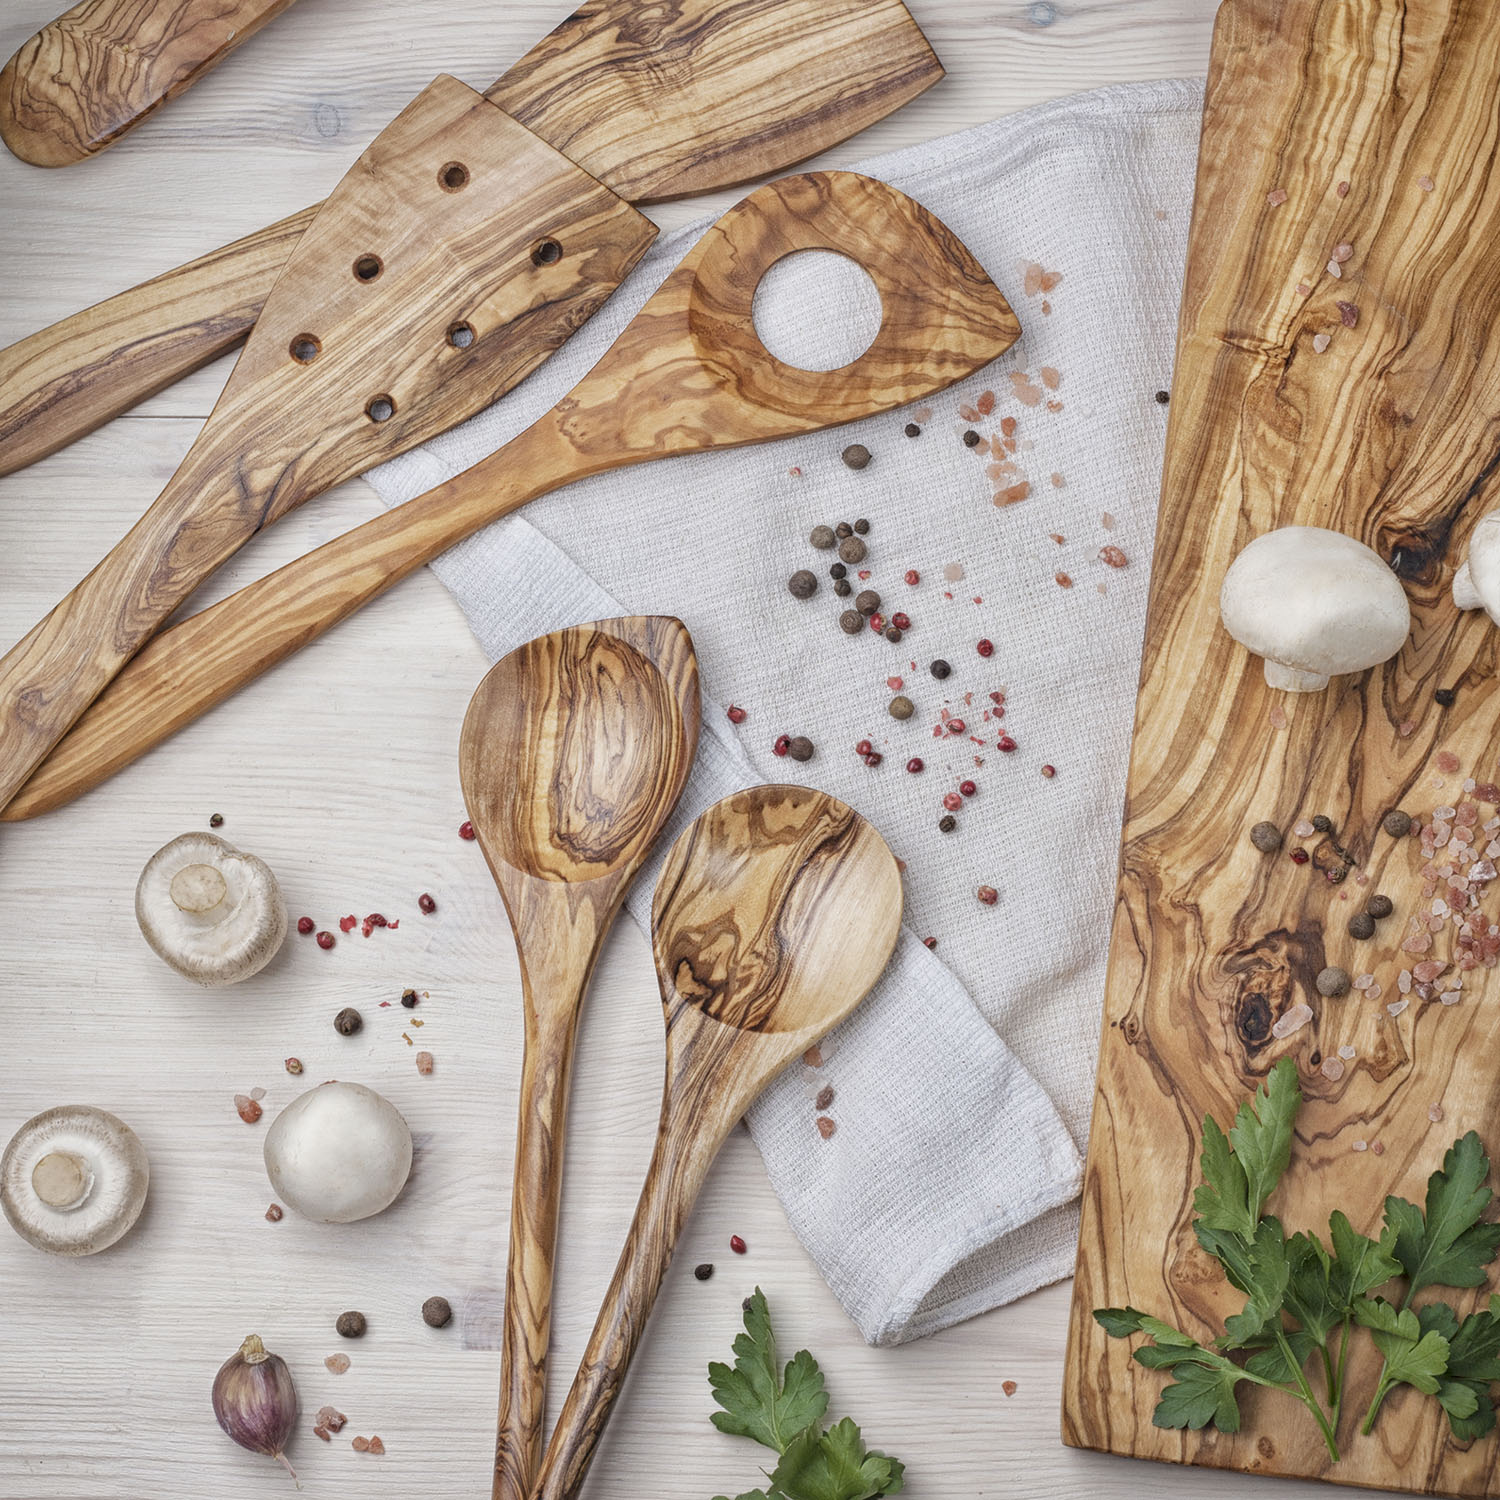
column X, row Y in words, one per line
column 775, row 913
column 574, row 752
column 688, row 374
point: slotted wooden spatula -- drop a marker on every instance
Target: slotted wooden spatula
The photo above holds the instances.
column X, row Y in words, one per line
column 688, row 374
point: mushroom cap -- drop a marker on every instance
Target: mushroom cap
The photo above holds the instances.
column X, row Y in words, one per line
column 214, row 914
column 338, row 1153
column 73, row 1180
column 1315, row 601
column 1481, row 571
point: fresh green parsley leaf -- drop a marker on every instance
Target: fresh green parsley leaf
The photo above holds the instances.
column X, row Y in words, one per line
column 1121, row 1322
column 1448, row 1245
column 1270, row 1362
column 834, row 1465
column 1266, row 1275
column 758, row 1401
column 1322, row 1288
column 1473, row 1363
column 1199, row 1395
column 1236, row 1184
column 1412, row 1356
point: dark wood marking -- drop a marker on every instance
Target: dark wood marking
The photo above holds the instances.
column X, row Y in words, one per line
column 774, row 859
column 1391, row 435
column 574, row 752
column 744, row 88
column 688, row 374
column 284, row 430
column 93, row 74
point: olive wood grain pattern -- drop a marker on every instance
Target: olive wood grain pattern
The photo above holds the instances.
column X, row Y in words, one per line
column 1391, row 434
column 98, row 70
column 457, row 255
column 688, row 374
column 657, row 101
column 775, row 913
column 574, row 752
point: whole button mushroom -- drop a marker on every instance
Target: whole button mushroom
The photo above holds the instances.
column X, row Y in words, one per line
column 214, row 914
column 1476, row 585
column 73, row 1180
column 1314, row 603
column 338, row 1153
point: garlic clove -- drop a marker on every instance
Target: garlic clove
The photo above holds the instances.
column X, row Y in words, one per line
column 255, row 1401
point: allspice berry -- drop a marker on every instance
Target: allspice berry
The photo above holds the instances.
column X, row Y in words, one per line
column 1396, row 823
column 852, row 550
column 856, row 455
column 1380, row 906
column 940, row 669
column 842, row 530
column 1266, row 837
column 351, row 1325
column 348, row 1021
column 1333, row 981
column 837, row 570
column 902, row 708
column 802, row 584
column 867, row 601
column 851, row 622
column 822, row 537
column 799, row 747
column 1361, row 925
column 436, row 1313
column 842, row 587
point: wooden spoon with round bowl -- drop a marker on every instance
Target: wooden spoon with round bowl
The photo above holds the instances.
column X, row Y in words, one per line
column 775, row 913
column 574, row 752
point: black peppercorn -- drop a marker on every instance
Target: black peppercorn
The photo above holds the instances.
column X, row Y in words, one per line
column 947, row 823
column 409, row 999
column 861, row 527
column 1380, row 906
column 799, row 747
column 940, row 669
column 1444, row 697
column 1162, row 398
column 842, row 587
column 348, row 1021
column 1397, row 823
column 856, row 455
column 852, row 550
column 216, row 821
column 704, row 1271
column 912, row 430
column 851, row 622
column 893, row 632
column 1322, row 823
column 822, row 537
column 436, row 1313
column 1361, row 925
column 971, row 439
column 802, row 584
column 867, row 601
column 838, row 570
column 351, row 1325
column 843, row 530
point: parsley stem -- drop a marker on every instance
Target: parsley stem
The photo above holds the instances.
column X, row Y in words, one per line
column 1306, row 1397
column 1337, row 1403
column 1380, row 1394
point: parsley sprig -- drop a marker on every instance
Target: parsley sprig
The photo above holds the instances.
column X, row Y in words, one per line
column 1304, row 1299
column 784, row 1410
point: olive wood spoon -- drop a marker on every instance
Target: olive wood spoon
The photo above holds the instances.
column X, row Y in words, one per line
column 688, row 374
column 775, row 913
column 574, row 752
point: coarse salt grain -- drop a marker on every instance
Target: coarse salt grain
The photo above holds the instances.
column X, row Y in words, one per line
column 1333, row 1069
column 1320, row 342
column 1341, row 253
column 1335, row 270
column 1346, row 1052
column 1434, row 1112
column 1364, row 981
column 1359, row 1145
column 1426, row 184
column 1303, row 828
column 1276, row 197
column 1294, row 1020
column 337, row 1363
column 1396, row 1007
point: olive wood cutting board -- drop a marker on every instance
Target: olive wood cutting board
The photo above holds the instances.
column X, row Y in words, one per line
column 1370, row 124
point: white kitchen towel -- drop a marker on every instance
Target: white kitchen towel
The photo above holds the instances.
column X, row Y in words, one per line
column 960, row 1091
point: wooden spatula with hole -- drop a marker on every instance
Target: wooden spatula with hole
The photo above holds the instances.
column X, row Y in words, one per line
column 574, row 752
column 688, row 374
column 775, row 913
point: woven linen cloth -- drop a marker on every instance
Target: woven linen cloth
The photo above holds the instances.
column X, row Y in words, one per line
column 962, row 1087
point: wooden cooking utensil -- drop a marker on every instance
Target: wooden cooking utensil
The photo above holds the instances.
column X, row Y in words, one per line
column 1368, row 124
column 410, row 303
column 688, row 374
column 776, row 911
column 574, row 752
column 655, row 102
column 93, row 74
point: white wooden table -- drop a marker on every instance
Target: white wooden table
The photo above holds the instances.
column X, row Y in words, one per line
column 340, row 769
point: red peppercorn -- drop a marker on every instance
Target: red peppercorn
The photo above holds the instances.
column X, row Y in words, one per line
column 901, row 622
column 325, row 940
column 874, row 758
column 1005, row 743
column 782, row 742
column 912, row 576
column 952, row 801
column 967, row 788
column 864, row 747
column 426, row 903
column 466, row 830
column 1300, row 856
column 986, row 648
column 736, row 715
column 915, row 764
column 305, row 925
column 1049, row 772
column 877, row 623
column 929, row 942
column 988, row 894
column 349, row 923
column 737, row 1244
column 956, row 726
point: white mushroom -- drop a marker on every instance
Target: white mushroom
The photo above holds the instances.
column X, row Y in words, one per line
column 73, row 1180
column 339, row 1152
column 1476, row 585
column 214, row 914
column 1313, row 603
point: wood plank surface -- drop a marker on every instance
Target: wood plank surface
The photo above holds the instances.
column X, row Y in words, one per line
column 1348, row 177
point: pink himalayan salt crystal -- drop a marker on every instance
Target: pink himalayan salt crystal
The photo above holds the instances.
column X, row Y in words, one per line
column 1428, row 970
column 376, row 1446
column 1364, row 981
column 1276, row 197
column 1435, row 1112
column 1483, row 871
column 1378, row 1147
column 1294, row 1020
column 1320, row 342
column 1341, row 253
column 1373, row 993
column 1277, row 716
column 1332, row 1069
column 331, row 1418
column 1335, row 270
column 337, row 1363
column 1396, row 1007
column 360, row 1444
column 1403, row 981
column 1346, row 1052
column 953, row 572
column 424, row 1063
column 1467, row 815
column 1451, row 997
column 1107, row 521
column 1342, row 190
column 1426, row 183
column 1446, row 761
column 1418, row 942
column 1303, row 828
column 1359, row 1145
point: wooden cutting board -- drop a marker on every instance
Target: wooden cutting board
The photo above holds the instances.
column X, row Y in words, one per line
column 1392, row 434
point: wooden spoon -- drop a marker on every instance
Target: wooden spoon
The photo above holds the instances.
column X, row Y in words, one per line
column 775, row 913
column 574, row 752
column 688, row 374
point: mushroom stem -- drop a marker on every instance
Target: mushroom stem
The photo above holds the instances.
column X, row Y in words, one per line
column 1291, row 680
column 62, row 1179
column 198, row 889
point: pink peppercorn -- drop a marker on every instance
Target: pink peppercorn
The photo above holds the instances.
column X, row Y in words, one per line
column 988, row 894
column 1049, row 772
column 248, row 1109
column 305, row 925
column 874, row 758
column 426, row 904
column 737, row 1244
column 929, row 942
column 952, row 801
column 912, row 576
column 986, row 648
column 349, row 923
column 781, row 744
column 1005, row 743
column 915, row 764
column 956, row 726
column 325, row 940
column 736, row 715
column 900, row 621
column 1300, row 856
column 967, row 788
column 877, row 623
column 466, row 829
column 864, row 747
